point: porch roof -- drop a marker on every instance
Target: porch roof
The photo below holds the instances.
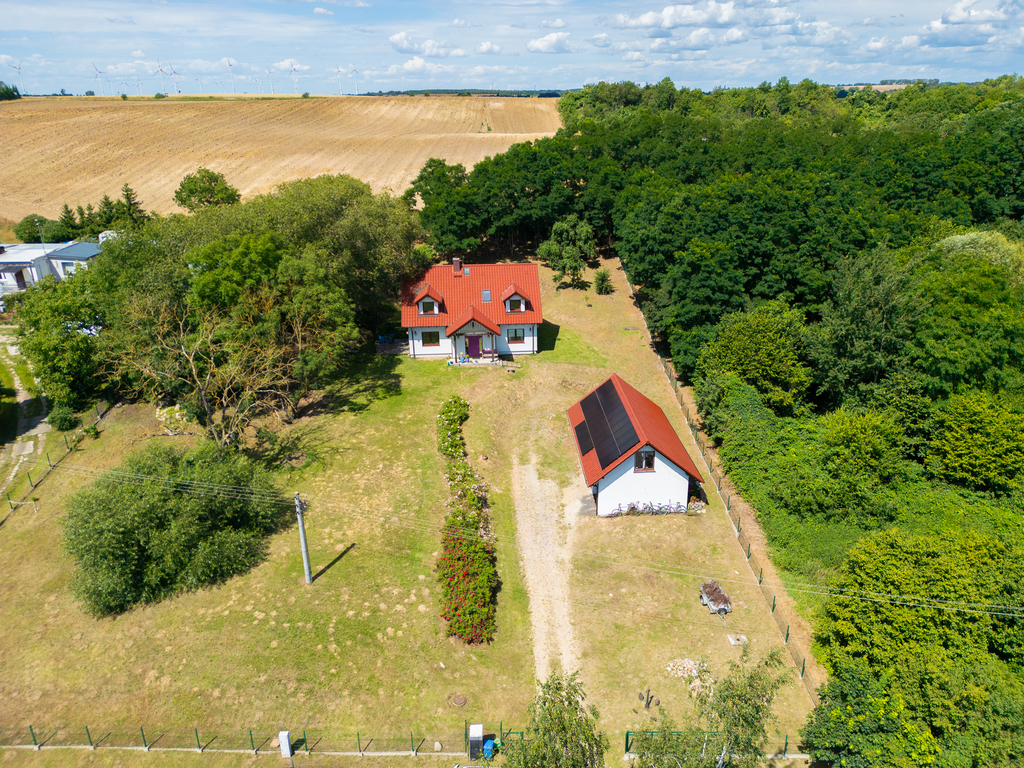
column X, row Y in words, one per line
column 473, row 314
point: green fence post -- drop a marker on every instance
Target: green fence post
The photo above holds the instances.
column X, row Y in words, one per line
column 48, row 460
column 465, row 736
column 66, row 443
column 33, row 735
column 30, row 478
column 739, row 527
column 803, row 667
column 412, row 745
column 251, row 742
column 785, row 747
column 305, row 741
column 773, row 603
column 787, row 633
column 759, row 577
column 359, row 744
column 10, row 502
column 748, row 550
column 144, row 744
column 728, row 503
column 199, row 747
column 711, row 464
column 89, row 737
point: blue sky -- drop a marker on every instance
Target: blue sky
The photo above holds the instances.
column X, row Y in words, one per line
column 323, row 45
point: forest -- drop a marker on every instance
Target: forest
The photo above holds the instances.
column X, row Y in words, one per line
column 838, row 275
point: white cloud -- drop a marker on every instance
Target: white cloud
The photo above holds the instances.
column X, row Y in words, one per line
column 705, row 13
column 556, row 42
column 601, row 41
column 962, row 13
column 415, row 65
column 138, row 54
column 877, row 44
column 323, row 12
column 734, row 35
column 556, row 24
column 288, row 65
column 463, row 23
column 489, row 48
column 402, row 43
column 634, row 56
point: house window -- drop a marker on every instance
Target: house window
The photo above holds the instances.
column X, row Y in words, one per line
column 68, row 267
column 487, row 296
column 431, row 338
column 429, row 308
column 516, row 336
column 644, row 460
column 515, row 305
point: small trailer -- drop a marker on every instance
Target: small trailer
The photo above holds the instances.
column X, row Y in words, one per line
column 714, row 598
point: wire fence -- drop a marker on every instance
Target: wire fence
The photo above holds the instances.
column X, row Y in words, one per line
column 262, row 739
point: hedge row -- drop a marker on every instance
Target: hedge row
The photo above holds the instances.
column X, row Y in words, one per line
column 467, row 567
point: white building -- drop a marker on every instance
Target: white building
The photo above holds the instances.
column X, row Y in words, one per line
column 26, row 264
column 473, row 312
column 629, row 452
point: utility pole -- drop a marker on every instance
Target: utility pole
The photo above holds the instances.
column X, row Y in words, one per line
column 300, row 506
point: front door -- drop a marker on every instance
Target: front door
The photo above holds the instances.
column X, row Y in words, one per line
column 19, row 278
column 473, row 346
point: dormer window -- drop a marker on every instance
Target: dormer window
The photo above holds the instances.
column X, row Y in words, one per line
column 515, row 305
column 429, row 307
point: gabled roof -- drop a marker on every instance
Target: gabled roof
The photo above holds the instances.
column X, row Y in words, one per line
column 465, row 289
column 615, row 420
column 471, row 314
column 427, row 291
column 513, row 290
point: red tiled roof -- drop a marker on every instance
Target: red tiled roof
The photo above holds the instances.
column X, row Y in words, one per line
column 652, row 428
column 428, row 291
column 473, row 313
column 463, row 291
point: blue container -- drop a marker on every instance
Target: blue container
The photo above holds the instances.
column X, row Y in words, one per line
column 489, row 748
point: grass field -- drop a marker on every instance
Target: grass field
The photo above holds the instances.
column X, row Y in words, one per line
column 363, row 648
column 77, row 150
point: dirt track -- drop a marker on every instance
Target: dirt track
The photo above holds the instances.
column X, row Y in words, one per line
column 77, row 150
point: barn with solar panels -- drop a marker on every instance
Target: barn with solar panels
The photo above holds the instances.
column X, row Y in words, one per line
column 630, row 454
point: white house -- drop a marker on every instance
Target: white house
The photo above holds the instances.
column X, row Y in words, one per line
column 629, row 452
column 473, row 312
column 25, row 264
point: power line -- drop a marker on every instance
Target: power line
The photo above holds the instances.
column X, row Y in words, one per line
column 412, row 523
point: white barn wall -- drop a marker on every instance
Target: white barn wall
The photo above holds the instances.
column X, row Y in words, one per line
column 625, row 486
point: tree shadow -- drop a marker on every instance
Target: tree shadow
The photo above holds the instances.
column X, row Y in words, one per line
column 567, row 282
column 547, row 336
column 364, row 379
column 331, row 564
column 300, row 447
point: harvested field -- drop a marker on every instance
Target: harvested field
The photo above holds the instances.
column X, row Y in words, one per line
column 77, row 150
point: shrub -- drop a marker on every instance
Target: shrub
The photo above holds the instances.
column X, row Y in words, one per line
column 602, row 282
column 467, row 568
column 305, row 95
column 124, row 97
column 62, row 418
column 151, row 537
column 159, row 95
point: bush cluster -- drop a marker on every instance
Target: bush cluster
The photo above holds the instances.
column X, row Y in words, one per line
column 467, row 567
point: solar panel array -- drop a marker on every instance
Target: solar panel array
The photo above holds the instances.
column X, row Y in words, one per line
column 610, row 430
column 583, row 438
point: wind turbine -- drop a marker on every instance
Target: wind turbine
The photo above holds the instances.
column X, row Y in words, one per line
column 138, row 85
column 124, row 85
column 174, row 79
column 160, row 69
column 340, row 71
column 19, row 76
column 356, row 73
column 200, row 81
column 270, row 76
column 99, row 79
column 232, row 73
column 295, row 80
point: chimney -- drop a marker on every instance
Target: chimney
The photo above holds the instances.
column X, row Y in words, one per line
column 457, row 266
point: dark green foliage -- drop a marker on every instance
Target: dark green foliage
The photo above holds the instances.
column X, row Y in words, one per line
column 204, row 188
column 57, row 328
column 9, row 92
column 563, row 730
column 569, row 248
column 602, row 282
column 141, row 542
column 29, row 229
column 763, row 347
column 62, row 418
